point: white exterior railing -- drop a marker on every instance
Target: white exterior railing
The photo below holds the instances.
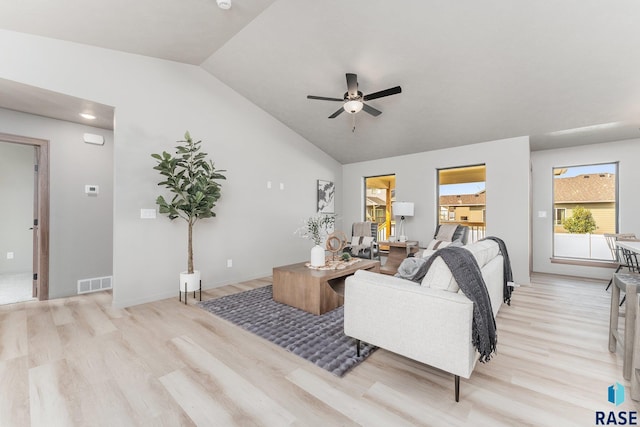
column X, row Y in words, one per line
column 587, row 246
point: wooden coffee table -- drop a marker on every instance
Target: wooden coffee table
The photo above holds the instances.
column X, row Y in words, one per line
column 315, row 291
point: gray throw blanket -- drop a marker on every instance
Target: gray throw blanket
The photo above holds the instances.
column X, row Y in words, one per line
column 465, row 271
column 506, row 268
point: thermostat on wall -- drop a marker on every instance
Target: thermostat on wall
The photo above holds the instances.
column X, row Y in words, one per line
column 91, row 189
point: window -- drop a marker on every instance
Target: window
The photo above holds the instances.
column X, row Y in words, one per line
column 560, row 215
column 444, row 214
column 585, row 203
column 462, row 198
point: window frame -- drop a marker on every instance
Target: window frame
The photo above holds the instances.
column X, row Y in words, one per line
column 596, row 262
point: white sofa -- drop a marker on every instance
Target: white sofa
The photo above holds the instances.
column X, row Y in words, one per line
column 430, row 321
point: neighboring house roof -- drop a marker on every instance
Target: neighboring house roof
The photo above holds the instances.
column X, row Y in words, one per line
column 586, row 188
column 477, row 199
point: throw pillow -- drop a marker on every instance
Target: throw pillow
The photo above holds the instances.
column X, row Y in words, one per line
column 361, row 240
column 446, row 232
column 412, row 269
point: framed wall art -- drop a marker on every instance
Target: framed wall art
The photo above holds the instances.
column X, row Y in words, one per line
column 326, row 197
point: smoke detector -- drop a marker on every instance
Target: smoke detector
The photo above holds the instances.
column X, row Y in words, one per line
column 224, row 4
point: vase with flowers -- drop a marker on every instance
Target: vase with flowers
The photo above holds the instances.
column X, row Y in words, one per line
column 316, row 228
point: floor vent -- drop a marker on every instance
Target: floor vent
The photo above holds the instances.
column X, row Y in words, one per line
column 94, row 285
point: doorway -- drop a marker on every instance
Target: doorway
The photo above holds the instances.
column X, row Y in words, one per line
column 462, row 198
column 380, row 192
column 24, row 249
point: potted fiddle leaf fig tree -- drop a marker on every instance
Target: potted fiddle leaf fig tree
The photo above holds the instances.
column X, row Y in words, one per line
column 193, row 180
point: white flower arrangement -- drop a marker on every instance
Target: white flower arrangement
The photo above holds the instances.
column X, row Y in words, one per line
column 316, row 227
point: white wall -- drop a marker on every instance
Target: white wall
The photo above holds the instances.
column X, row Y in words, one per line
column 81, row 226
column 156, row 101
column 16, row 193
column 508, row 165
column 625, row 152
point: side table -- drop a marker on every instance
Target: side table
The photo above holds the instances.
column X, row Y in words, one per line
column 397, row 252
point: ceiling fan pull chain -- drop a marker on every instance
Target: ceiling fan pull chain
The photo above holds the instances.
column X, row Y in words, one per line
column 354, row 123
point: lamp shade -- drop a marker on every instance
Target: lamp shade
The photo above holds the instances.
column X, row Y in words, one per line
column 402, row 208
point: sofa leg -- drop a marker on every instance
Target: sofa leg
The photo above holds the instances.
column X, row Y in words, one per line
column 358, row 348
column 457, row 387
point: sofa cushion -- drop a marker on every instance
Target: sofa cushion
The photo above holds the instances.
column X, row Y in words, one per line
column 439, row 276
column 484, row 251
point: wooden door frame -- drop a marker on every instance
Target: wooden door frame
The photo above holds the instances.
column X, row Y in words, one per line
column 42, row 153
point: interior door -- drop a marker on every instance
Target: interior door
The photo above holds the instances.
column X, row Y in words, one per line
column 35, row 228
column 40, row 228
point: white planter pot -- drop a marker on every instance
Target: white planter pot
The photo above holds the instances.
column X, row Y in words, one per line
column 317, row 256
column 192, row 280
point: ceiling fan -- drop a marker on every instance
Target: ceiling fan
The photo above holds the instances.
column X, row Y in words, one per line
column 353, row 99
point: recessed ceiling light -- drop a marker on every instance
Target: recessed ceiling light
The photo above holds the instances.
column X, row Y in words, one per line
column 224, row 4
column 87, row 116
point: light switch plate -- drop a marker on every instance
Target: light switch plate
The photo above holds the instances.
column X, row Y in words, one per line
column 148, row 213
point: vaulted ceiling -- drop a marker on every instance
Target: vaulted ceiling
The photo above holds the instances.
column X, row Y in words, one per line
column 565, row 72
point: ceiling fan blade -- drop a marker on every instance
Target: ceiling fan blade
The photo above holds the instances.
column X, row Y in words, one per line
column 324, row 98
column 352, row 84
column 373, row 111
column 386, row 92
column 337, row 113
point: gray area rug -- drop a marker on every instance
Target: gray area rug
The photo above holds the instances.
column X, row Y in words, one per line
column 318, row 339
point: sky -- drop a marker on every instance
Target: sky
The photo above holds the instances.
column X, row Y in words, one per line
column 466, row 188
column 579, row 170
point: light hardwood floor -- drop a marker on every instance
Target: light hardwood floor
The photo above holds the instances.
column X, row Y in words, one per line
column 79, row 362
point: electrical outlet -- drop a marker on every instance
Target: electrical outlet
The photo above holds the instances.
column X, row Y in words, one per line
column 9, row 255
column 229, row 263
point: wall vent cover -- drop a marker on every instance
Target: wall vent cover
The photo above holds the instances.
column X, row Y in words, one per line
column 94, row 284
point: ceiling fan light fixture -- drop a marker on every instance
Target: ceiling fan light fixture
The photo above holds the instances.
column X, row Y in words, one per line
column 224, row 4
column 353, row 106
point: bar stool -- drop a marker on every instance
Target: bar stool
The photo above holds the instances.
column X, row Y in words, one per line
column 635, row 370
column 616, row 252
column 631, row 262
column 628, row 283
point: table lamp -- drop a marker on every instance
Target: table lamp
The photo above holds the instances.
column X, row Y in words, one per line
column 402, row 209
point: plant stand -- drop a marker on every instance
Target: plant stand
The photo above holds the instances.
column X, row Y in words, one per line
column 186, row 292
